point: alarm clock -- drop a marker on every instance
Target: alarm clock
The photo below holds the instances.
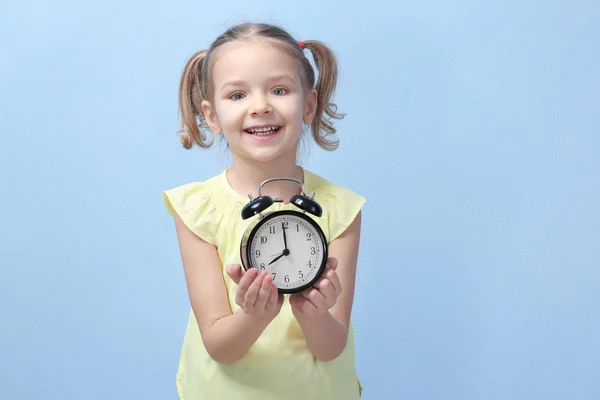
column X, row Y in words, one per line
column 289, row 244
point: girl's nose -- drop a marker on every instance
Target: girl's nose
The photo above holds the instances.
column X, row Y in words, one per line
column 260, row 105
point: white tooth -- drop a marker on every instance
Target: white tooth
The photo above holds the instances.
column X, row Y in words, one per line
column 267, row 130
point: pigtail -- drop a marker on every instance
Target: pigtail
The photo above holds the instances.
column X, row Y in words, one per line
column 326, row 63
column 191, row 95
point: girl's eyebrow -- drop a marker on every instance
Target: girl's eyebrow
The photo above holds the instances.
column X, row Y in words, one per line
column 236, row 82
column 275, row 77
column 282, row 77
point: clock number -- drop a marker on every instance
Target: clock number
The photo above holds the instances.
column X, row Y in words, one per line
column 300, row 274
column 285, row 224
column 308, row 237
column 274, row 275
column 262, row 266
column 263, row 239
column 297, row 228
column 272, row 229
column 257, row 252
column 286, row 279
column 309, row 264
column 312, row 251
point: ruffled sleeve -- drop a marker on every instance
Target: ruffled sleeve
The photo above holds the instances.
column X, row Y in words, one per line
column 341, row 205
column 344, row 205
column 194, row 205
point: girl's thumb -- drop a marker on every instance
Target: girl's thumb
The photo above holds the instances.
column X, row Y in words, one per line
column 235, row 272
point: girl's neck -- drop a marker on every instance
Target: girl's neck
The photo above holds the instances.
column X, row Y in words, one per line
column 245, row 176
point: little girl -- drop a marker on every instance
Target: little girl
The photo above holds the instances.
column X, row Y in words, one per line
column 245, row 340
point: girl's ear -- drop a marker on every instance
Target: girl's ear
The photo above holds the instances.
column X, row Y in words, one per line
column 310, row 107
column 211, row 117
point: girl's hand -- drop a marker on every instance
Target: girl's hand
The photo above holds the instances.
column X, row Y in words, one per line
column 316, row 301
column 256, row 293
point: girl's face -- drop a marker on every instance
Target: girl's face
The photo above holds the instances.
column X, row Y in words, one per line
column 258, row 100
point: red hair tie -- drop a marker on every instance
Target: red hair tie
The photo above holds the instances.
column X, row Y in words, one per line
column 301, row 43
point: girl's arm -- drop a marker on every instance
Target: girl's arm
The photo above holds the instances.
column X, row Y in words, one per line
column 227, row 336
column 326, row 336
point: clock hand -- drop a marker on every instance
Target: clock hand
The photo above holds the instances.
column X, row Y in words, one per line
column 277, row 258
column 284, row 237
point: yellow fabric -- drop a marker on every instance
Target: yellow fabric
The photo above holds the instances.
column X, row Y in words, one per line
column 279, row 365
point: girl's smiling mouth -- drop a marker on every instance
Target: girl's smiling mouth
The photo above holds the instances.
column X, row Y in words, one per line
column 264, row 130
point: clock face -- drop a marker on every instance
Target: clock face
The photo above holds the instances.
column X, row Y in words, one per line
column 291, row 247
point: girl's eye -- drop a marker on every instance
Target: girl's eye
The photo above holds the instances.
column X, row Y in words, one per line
column 279, row 91
column 236, row 96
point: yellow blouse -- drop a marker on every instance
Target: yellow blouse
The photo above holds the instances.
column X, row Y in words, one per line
column 278, row 366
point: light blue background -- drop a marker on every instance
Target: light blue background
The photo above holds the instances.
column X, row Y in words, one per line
column 478, row 127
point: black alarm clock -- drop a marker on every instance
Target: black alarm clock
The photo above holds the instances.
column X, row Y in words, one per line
column 288, row 244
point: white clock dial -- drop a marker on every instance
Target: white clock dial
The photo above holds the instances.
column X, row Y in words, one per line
column 290, row 248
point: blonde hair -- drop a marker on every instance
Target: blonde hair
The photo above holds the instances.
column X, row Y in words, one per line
column 195, row 87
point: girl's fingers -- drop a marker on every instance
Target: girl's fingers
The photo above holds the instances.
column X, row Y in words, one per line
column 332, row 263
column 334, row 280
column 263, row 293
column 315, row 297
column 273, row 297
column 252, row 292
column 243, row 286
